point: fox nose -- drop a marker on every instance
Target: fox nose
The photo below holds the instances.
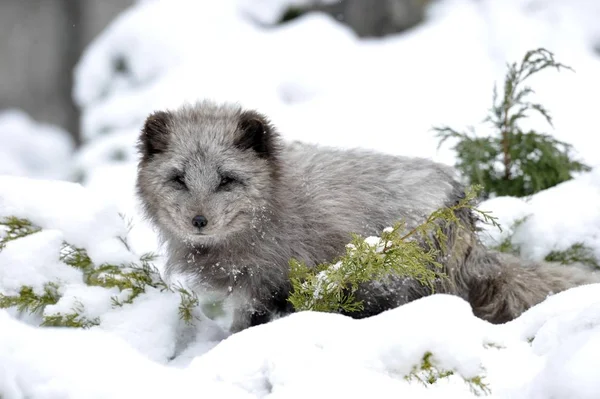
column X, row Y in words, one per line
column 199, row 221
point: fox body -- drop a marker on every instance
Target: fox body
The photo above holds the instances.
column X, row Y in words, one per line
column 234, row 203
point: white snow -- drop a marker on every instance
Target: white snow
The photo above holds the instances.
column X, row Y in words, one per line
column 90, row 301
column 84, row 219
column 554, row 219
column 33, row 261
column 55, row 363
column 319, row 83
column 28, row 148
column 320, row 355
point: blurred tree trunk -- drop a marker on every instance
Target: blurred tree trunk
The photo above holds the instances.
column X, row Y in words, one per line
column 72, row 45
column 41, row 42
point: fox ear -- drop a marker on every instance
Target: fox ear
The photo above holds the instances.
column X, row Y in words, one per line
column 256, row 133
column 154, row 138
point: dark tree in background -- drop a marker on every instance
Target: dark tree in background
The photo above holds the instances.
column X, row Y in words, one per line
column 369, row 18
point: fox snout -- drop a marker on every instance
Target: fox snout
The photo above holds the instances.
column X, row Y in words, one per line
column 199, row 222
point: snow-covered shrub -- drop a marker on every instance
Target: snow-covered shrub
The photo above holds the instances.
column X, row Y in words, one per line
column 127, row 281
column 68, row 258
column 551, row 224
column 577, row 253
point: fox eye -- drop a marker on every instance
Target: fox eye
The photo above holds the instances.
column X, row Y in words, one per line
column 226, row 182
column 179, row 181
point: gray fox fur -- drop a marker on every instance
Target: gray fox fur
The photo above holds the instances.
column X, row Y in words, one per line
column 234, row 203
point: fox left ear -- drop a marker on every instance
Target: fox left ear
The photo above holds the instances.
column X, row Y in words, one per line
column 154, row 138
column 256, row 133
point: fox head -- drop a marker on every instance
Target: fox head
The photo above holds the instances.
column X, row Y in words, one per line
column 207, row 171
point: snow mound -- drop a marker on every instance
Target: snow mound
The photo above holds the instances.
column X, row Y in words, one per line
column 28, row 148
column 324, row 355
column 69, row 213
column 552, row 220
column 62, row 363
column 546, row 351
column 83, row 219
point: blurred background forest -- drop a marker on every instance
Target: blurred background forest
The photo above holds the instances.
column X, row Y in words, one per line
column 41, row 42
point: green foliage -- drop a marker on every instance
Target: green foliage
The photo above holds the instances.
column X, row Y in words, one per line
column 73, row 319
column 12, row 228
column 28, row 301
column 292, row 13
column 413, row 254
column 330, row 287
column 189, row 302
column 75, row 257
column 506, row 245
column 132, row 280
column 576, row 253
column 530, row 161
column 428, row 373
column 69, row 320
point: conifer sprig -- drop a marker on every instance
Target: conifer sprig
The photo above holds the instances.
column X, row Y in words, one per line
column 72, row 319
column 28, row 301
column 576, row 253
column 12, row 228
column 428, row 373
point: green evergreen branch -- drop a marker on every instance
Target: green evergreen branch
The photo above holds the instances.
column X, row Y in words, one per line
column 12, row 228
column 76, row 257
column 28, row 301
column 189, row 302
column 531, row 161
column 428, row 373
column 506, row 245
column 73, row 319
column 132, row 280
column 576, row 253
column 410, row 254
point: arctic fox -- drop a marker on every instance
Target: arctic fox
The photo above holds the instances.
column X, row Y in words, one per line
column 234, row 203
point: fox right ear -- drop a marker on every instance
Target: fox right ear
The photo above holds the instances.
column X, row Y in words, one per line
column 256, row 133
column 154, row 138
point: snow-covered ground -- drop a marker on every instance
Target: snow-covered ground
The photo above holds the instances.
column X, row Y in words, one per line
column 319, row 83
column 33, row 149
